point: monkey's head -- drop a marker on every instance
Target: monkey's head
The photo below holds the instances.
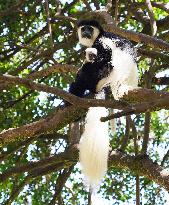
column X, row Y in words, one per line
column 88, row 31
column 91, row 54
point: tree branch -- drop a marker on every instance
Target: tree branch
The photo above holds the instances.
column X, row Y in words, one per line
column 146, row 132
column 152, row 105
column 61, row 117
column 139, row 37
column 161, row 81
column 143, row 166
column 58, row 119
column 87, row 5
column 160, row 5
column 140, row 165
column 152, row 19
column 46, row 4
column 125, row 138
column 66, row 158
column 12, row 9
column 131, row 35
column 62, row 68
column 61, row 180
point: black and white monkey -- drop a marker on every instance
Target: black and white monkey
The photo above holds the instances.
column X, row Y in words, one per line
column 110, row 61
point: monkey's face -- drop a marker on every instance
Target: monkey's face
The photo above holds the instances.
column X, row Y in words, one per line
column 87, row 31
column 87, row 35
column 91, row 54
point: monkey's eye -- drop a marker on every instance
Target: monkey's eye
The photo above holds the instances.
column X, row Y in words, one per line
column 88, row 28
column 83, row 28
column 92, row 56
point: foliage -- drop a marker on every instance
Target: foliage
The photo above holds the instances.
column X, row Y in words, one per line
column 36, row 35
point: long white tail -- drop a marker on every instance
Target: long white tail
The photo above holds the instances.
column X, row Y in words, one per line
column 94, row 146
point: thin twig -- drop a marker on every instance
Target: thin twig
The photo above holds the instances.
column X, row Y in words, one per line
column 49, row 24
column 166, row 156
column 126, row 136
column 89, row 197
column 17, row 189
column 146, row 132
column 116, row 12
column 134, row 134
column 87, row 5
column 148, row 82
column 137, row 190
column 61, row 180
column 136, row 151
column 152, row 18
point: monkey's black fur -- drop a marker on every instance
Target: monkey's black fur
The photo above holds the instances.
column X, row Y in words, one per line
column 88, row 77
column 93, row 23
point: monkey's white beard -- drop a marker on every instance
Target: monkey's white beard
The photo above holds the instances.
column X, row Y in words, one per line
column 94, row 146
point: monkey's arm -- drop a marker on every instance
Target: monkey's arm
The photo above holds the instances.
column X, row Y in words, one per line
column 77, row 87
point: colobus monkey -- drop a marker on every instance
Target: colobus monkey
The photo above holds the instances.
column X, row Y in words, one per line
column 110, row 61
column 113, row 50
column 91, row 54
column 94, row 69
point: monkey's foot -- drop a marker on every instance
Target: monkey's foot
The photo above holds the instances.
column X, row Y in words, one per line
column 101, row 84
column 123, row 90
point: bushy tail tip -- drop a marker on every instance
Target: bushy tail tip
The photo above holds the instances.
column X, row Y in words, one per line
column 94, row 146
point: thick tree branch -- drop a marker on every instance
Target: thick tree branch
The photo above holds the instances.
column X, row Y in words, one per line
column 140, row 165
column 55, row 121
column 131, row 35
column 12, row 9
column 65, row 158
column 39, row 87
column 61, row 117
column 139, row 37
column 153, row 54
column 81, row 102
column 138, row 108
column 143, row 166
